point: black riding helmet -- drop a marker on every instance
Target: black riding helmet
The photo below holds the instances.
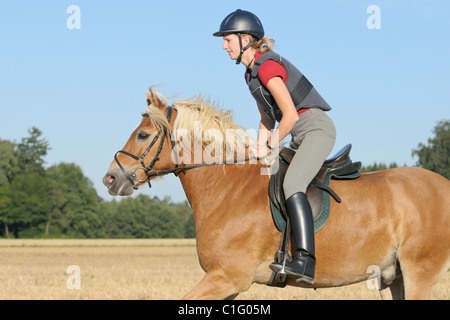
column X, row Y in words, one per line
column 241, row 22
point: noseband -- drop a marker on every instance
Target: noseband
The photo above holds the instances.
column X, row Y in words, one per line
column 133, row 177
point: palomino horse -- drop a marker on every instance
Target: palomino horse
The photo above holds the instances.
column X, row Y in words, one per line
column 395, row 221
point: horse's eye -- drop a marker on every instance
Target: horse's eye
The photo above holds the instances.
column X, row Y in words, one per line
column 143, row 136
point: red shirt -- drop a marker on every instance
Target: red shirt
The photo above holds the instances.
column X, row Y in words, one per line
column 269, row 70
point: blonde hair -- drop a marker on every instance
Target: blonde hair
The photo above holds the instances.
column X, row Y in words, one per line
column 263, row 45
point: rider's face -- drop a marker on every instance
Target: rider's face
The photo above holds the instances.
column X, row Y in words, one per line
column 231, row 45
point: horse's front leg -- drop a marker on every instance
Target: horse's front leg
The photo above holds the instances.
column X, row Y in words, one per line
column 215, row 285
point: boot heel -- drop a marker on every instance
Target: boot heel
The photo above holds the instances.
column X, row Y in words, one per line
column 304, row 279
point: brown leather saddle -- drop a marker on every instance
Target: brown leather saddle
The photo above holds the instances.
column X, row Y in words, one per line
column 340, row 166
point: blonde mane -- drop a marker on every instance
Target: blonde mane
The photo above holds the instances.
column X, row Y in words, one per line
column 200, row 122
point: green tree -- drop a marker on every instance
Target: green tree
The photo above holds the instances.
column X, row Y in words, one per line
column 56, row 193
column 9, row 165
column 186, row 216
column 9, row 168
column 5, row 205
column 28, row 206
column 81, row 203
column 378, row 167
column 31, row 152
column 121, row 220
column 145, row 217
column 162, row 219
column 436, row 154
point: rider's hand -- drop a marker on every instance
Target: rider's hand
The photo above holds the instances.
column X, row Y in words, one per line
column 258, row 151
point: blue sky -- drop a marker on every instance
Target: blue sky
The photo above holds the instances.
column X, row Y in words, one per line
column 84, row 88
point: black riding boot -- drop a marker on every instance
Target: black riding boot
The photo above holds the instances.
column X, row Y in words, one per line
column 302, row 225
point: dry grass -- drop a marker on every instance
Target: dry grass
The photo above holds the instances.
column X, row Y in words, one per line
column 132, row 269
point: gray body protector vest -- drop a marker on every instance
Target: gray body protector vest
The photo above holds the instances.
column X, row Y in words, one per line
column 303, row 94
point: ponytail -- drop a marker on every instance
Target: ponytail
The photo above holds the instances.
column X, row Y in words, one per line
column 264, row 45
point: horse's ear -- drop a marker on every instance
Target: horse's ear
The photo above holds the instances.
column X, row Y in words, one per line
column 154, row 99
column 148, row 98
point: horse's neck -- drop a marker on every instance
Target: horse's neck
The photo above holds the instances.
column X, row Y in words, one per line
column 204, row 185
column 213, row 186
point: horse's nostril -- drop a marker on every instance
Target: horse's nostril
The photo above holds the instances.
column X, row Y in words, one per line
column 108, row 180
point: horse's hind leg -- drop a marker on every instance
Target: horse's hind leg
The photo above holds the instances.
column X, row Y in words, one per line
column 419, row 285
column 393, row 291
column 422, row 272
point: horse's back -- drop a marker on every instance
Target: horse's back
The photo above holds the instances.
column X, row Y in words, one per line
column 404, row 181
column 413, row 195
column 400, row 214
column 426, row 190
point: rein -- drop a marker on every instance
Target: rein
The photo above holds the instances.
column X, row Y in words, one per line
column 176, row 170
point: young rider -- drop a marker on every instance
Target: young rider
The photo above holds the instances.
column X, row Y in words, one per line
column 283, row 94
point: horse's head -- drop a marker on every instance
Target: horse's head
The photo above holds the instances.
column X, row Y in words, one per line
column 143, row 153
column 192, row 135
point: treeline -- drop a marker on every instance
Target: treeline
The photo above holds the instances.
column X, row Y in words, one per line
column 60, row 202
column 378, row 167
column 434, row 156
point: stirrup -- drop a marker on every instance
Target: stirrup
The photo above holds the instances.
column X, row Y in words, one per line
column 281, row 275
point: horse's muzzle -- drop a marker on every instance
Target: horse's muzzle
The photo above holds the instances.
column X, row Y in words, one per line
column 117, row 183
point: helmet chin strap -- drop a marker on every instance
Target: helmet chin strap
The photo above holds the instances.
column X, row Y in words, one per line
column 238, row 60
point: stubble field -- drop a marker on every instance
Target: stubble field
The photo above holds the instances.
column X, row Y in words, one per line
column 131, row 269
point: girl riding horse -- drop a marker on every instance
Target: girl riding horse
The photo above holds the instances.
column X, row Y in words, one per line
column 283, row 94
